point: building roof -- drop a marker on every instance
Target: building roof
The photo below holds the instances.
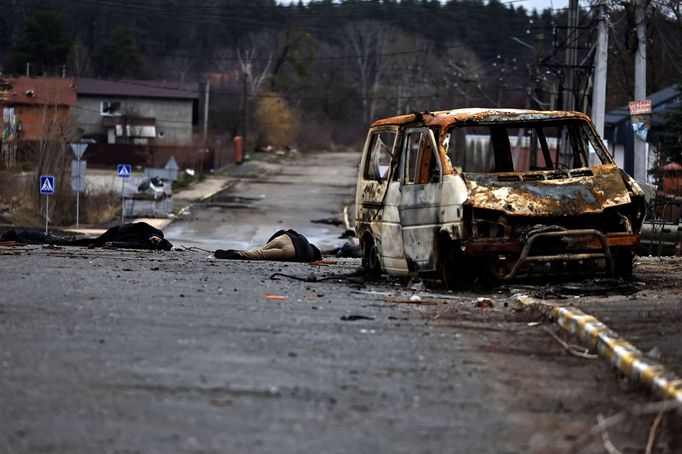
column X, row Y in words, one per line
column 660, row 102
column 37, row 91
column 137, row 88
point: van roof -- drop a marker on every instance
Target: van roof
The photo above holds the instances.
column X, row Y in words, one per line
column 476, row 115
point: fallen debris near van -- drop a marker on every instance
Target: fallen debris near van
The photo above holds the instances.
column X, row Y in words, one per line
column 414, row 299
column 329, row 221
column 354, row 317
column 591, row 287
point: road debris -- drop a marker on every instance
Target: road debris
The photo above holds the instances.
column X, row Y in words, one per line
column 591, row 287
column 355, row 317
column 485, row 303
column 666, row 407
column 575, row 350
column 270, row 296
column 328, row 221
column 221, row 401
column 414, row 299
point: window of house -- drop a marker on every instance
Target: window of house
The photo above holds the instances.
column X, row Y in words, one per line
column 111, row 108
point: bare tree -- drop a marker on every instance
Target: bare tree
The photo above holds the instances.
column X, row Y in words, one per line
column 369, row 43
column 255, row 61
column 410, row 73
column 79, row 60
column 178, row 67
column 52, row 156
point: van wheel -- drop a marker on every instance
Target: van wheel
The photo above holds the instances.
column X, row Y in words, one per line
column 450, row 267
column 370, row 260
column 622, row 262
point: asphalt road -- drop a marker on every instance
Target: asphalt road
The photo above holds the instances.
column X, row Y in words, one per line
column 263, row 198
column 132, row 351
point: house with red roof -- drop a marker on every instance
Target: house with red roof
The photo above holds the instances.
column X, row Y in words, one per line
column 37, row 108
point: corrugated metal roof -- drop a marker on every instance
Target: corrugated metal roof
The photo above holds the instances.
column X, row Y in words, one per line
column 137, row 88
column 38, row 91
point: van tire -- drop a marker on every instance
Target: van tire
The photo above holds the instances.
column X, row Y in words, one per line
column 450, row 266
column 622, row 262
column 370, row 260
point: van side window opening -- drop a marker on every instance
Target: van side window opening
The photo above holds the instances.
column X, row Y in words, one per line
column 421, row 162
column 380, row 155
column 519, row 147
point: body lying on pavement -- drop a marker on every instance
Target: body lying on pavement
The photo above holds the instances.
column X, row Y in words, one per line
column 283, row 246
column 138, row 235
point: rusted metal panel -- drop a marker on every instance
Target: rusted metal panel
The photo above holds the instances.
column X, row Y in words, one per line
column 556, row 197
column 450, row 117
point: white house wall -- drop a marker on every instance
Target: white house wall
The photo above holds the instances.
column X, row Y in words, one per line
column 173, row 117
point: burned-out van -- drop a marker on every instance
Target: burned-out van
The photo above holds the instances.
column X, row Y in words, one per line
column 479, row 193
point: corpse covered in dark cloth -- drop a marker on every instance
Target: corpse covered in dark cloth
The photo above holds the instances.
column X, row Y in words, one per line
column 283, row 246
column 138, row 235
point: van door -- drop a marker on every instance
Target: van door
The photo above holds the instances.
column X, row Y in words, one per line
column 420, row 198
column 376, row 168
column 378, row 197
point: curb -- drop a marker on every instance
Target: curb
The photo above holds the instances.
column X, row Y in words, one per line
column 620, row 353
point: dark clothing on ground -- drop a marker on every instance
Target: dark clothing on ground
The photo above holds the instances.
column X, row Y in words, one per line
column 138, row 235
column 283, row 246
column 305, row 252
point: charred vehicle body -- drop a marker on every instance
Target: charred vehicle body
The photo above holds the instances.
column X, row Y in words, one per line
column 494, row 193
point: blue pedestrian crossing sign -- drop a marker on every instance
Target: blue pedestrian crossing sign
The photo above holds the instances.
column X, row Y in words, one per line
column 47, row 184
column 124, row 170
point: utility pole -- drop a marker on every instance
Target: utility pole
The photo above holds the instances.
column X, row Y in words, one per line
column 245, row 96
column 571, row 55
column 640, row 161
column 206, row 92
column 600, row 67
column 569, row 88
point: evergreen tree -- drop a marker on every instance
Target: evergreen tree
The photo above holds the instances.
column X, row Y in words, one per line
column 43, row 43
column 119, row 57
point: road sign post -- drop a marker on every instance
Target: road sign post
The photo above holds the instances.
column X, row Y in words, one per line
column 47, row 189
column 78, row 169
column 123, row 173
column 78, row 150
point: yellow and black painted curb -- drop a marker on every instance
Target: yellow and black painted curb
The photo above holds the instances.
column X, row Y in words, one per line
column 620, row 353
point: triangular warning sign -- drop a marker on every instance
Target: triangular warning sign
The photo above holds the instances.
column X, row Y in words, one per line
column 47, row 186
